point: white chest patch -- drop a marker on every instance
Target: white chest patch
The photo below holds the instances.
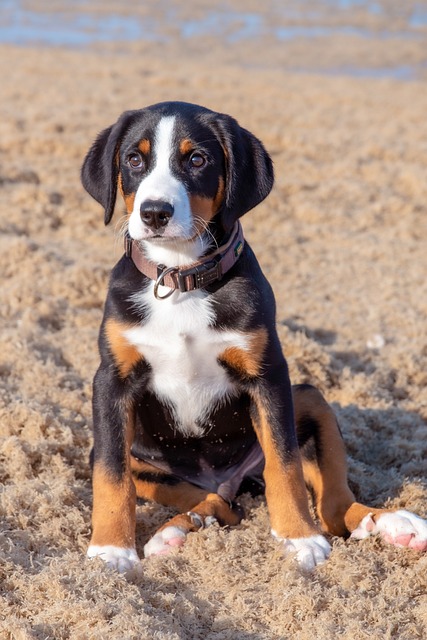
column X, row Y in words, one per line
column 182, row 348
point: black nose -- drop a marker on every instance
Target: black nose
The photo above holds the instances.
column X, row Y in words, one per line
column 156, row 213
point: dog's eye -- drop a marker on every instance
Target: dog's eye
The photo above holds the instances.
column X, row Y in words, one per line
column 197, row 160
column 135, row 161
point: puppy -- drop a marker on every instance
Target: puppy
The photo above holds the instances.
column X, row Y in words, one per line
column 192, row 402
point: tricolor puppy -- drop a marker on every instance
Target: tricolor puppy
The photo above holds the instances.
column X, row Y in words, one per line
column 192, row 400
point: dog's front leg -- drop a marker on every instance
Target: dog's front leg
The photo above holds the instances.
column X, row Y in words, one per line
column 286, row 495
column 114, row 496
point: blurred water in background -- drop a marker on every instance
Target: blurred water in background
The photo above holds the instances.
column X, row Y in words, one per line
column 83, row 23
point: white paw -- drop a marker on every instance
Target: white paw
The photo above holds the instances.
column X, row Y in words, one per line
column 309, row 552
column 400, row 528
column 118, row 558
column 165, row 541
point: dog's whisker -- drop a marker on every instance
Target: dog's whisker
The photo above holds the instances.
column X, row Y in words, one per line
column 120, row 229
column 205, row 229
column 121, row 226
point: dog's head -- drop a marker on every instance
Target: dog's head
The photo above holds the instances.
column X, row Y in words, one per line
column 178, row 167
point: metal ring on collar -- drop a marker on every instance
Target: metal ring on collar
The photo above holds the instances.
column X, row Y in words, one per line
column 159, row 282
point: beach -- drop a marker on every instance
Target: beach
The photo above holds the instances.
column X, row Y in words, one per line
column 338, row 95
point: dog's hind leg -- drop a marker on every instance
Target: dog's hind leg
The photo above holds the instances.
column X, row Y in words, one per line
column 198, row 508
column 324, row 460
column 325, row 472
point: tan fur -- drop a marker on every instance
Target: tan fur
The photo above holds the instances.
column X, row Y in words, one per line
column 125, row 355
column 182, row 496
column 220, row 194
column 247, row 362
column 113, row 515
column 335, row 503
column 145, row 146
column 129, row 198
column 285, row 492
column 213, row 505
column 204, row 209
column 186, row 146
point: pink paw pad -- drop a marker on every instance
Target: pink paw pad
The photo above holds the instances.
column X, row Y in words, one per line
column 164, row 541
column 400, row 528
column 173, row 537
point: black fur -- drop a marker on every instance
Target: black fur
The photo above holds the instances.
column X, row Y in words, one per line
column 243, row 301
column 100, row 169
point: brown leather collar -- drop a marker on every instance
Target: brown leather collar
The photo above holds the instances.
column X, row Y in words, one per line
column 193, row 276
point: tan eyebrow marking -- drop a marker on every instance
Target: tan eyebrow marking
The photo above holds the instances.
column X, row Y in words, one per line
column 145, row 146
column 186, row 146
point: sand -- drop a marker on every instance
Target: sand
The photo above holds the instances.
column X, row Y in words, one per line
column 342, row 239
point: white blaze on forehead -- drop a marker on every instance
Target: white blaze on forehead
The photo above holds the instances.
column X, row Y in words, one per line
column 161, row 184
column 154, row 184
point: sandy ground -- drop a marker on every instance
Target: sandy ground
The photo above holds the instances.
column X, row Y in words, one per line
column 343, row 240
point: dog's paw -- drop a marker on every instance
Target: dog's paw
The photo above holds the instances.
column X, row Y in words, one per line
column 309, row 552
column 174, row 535
column 118, row 558
column 399, row 528
column 165, row 541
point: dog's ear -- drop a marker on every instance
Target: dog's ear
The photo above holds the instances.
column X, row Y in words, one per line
column 100, row 170
column 249, row 169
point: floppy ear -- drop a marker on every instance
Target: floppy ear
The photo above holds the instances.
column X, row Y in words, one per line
column 249, row 169
column 100, row 168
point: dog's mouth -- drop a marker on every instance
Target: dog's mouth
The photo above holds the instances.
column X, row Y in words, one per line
column 161, row 236
column 161, row 239
column 158, row 237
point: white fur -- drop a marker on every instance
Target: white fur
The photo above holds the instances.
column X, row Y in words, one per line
column 176, row 253
column 171, row 537
column 118, row 558
column 178, row 339
column 182, row 347
column 160, row 543
column 309, row 552
column 161, row 184
column 394, row 527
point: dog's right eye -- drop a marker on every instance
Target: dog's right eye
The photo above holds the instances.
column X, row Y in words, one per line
column 135, row 161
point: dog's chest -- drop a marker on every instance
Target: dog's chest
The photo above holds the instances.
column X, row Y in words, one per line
column 182, row 347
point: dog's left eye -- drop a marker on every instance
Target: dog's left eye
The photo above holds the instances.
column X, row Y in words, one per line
column 197, row 160
column 135, row 161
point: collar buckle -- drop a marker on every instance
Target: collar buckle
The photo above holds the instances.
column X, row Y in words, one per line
column 200, row 276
